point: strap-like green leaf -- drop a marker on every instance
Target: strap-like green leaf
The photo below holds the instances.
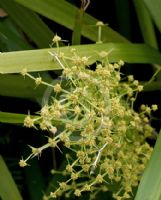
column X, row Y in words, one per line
column 29, row 22
column 13, row 118
column 154, row 7
column 146, row 23
column 41, row 60
column 8, row 188
column 76, row 35
column 14, row 85
column 150, row 186
column 11, row 39
column 64, row 13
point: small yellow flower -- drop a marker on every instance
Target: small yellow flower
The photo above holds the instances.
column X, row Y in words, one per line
column 136, row 82
column 63, row 185
column 87, row 187
column 53, row 195
column 56, row 39
column 28, row 122
column 24, row 72
column 130, row 78
column 121, row 62
column 74, row 176
column 57, row 88
column 38, row 81
column 53, row 129
column 86, row 167
column 154, row 107
column 143, row 107
column 35, row 151
column 77, row 110
column 52, row 142
column 22, row 163
column 77, row 193
column 99, row 178
column 99, row 23
column 69, row 168
column 140, row 88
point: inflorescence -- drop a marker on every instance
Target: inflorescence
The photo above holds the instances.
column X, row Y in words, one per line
column 92, row 115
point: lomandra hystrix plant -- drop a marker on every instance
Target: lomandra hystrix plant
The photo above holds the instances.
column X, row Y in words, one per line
column 92, row 115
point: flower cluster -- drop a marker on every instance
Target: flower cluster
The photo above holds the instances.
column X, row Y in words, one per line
column 92, row 114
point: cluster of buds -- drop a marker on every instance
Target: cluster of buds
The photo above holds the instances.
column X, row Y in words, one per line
column 92, row 114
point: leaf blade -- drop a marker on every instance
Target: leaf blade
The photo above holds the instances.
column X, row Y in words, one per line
column 11, row 37
column 146, row 24
column 29, row 21
column 149, row 188
column 14, row 85
column 56, row 11
column 40, row 60
column 155, row 10
column 13, row 118
column 8, row 188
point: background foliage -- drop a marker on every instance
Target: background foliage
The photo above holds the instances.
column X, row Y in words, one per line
column 31, row 25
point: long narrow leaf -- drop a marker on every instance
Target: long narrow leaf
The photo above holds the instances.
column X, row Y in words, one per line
column 150, row 186
column 13, row 118
column 146, row 24
column 154, row 7
column 10, row 38
column 41, row 60
column 76, row 36
column 64, row 13
column 16, row 118
column 153, row 86
column 20, row 87
column 8, row 188
column 29, row 22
